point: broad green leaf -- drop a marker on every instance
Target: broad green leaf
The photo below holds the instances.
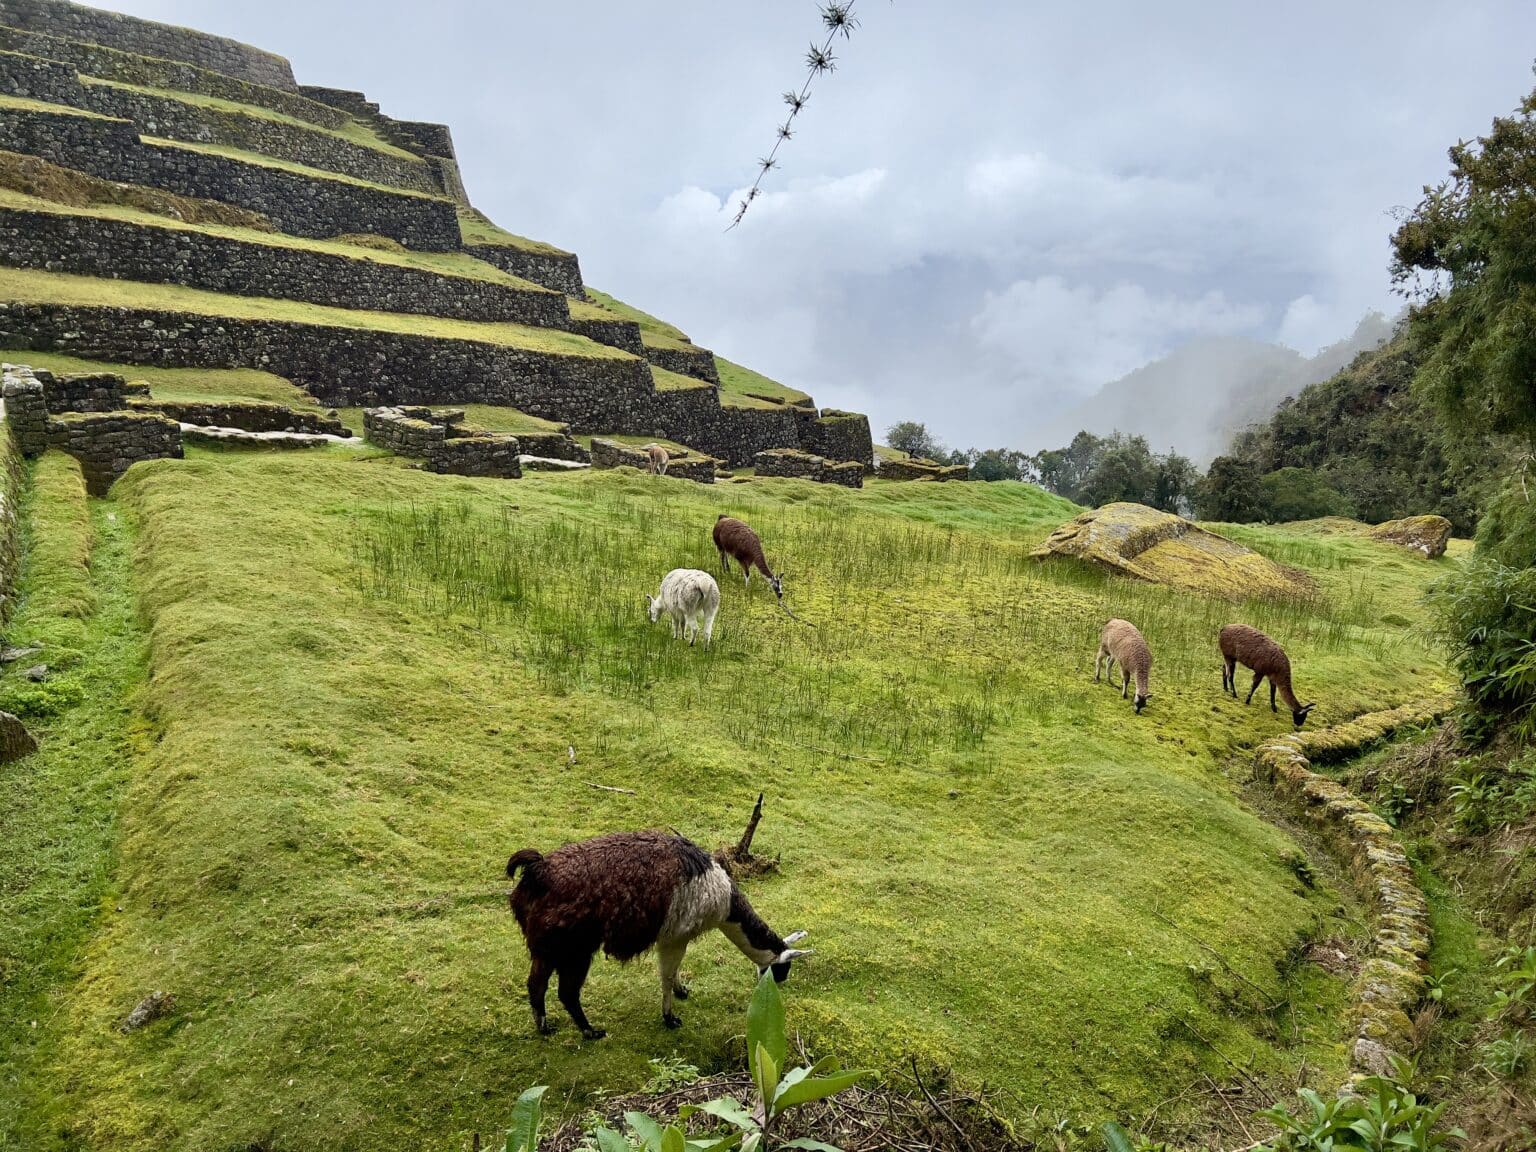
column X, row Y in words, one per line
column 765, row 1022
column 718, row 1144
column 645, row 1128
column 1116, row 1139
column 819, row 1088
column 672, row 1140
column 814, row 1145
column 765, row 1072
column 523, row 1135
column 726, row 1109
column 610, row 1141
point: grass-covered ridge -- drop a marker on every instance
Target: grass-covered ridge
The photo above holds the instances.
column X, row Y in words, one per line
column 476, row 228
column 34, row 287
column 206, row 384
column 363, row 683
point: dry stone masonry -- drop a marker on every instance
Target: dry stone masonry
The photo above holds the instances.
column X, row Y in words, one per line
column 440, row 437
column 682, row 465
column 1391, row 982
column 107, row 444
column 794, row 463
column 125, row 102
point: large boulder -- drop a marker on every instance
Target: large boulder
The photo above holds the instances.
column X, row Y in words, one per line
column 1427, row 535
column 1144, row 543
column 15, row 740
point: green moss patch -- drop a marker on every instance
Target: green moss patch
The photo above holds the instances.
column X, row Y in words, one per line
column 749, row 385
column 623, row 311
column 668, row 381
column 365, row 681
column 476, row 228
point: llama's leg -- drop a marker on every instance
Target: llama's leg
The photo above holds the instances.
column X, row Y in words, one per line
column 1272, row 707
column 669, row 958
column 691, row 629
column 538, row 984
column 1125, row 681
column 709, row 624
column 573, row 974
column 1258, row 678
column 1229, row 678
column 725, row 562
column 1097, row 658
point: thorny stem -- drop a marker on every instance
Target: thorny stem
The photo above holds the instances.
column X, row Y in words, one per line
column 838, row 18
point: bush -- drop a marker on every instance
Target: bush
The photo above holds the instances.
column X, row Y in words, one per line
column 1301, row 494
column 1486, row 615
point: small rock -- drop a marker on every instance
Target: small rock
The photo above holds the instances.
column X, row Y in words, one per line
column 37, row 673
column 149, row 1009
column 11, row 655
column 15, row 740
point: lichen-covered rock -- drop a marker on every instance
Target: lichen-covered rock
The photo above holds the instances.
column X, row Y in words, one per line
column 922, row 470
column 1427, row 535
column 1138, row 541
column 15, row 740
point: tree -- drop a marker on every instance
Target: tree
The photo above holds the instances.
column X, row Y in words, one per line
column 1173, row 489
column 1230, row 492
column 1301, row 494
column 1002, row 464
column 1124, row 470
column 913, row 438
column 1064, row 470
column 1474, row 235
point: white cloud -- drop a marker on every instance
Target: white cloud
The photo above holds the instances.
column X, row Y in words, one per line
column 1060, row 338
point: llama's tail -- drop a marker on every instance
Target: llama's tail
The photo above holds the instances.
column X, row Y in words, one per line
column 523, row 858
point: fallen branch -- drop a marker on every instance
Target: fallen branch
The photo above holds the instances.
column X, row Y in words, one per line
column 610, row 788
column 937, row 1107
column 788, row 611
column 743, row 850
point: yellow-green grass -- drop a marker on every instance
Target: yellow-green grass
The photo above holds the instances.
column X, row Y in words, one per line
column 204, row 384
column 353, row 130
column 647, row 322
column 26, row 104
column 455, row 264
column 491, row 417
column 34, row 287
column 59, row 806
column 635, row 441
column 669, row 381
column 476, row 228
column 364, row 683
column 738, row 381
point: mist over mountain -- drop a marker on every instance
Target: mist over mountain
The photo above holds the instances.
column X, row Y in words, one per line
column 1197, row 397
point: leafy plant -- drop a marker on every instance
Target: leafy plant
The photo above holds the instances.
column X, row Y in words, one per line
column 1507, row 1056
column 1384, row 1117
column 1395, row 802
column 777, row 1091
column 1471, row 798
column 527, row 1114
column 1117, row 1139
column 1515, row 973
column 1435, row 985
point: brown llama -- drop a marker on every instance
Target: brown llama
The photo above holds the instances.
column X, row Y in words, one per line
column 1122, row 642
column 1249, row 647
column 657, row 459
column 735, row 539
column 625, row 893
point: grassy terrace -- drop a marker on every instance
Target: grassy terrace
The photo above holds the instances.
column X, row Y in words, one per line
column 647, row 322
column 287, row 166
column 23, row 104
column 743, row 384
column 355, row 132
column 362, row 684
column 208, row 384
column 667, row 381
column 27, row 286
column 476, row 228
column 454, row 264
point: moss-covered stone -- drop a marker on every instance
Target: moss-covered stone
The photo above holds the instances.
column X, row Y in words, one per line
column 1427, row 535
column 1144, row 543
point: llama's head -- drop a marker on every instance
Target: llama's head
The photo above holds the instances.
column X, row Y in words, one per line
column 1141, row 701
column 653, row 606
column 1299, row 715
column 780, row 964
column 777, row 584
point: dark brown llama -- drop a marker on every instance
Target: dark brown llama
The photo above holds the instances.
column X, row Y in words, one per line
column 1249, row 647
column 625, row 893
column 735, row 539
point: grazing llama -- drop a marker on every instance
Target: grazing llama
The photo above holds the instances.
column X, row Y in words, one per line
column 734, row 538
column 1122, row 642
column 1249, row 647
column 657, row 459
column 687, row 596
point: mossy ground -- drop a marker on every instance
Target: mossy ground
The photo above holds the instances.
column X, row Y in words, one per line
column 362, row 686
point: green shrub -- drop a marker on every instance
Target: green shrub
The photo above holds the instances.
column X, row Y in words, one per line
column 1486, row 615
column 1301, row 494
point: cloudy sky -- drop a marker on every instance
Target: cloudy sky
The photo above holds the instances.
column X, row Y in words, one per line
column 988, row 211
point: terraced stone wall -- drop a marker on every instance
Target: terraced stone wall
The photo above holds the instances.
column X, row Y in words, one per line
column 688, row 361
column 615, row 333
column 347, row 366
column 148, row 38
column 562, row 271
column 553, row 446
column 97, row 246
column 173, row 119
column 791, row 462
column 151, row 72
column 10, row 519
column 247, row 415
column 436, row 437
column 26, row 410
column 297, row 203
column 612, row 454
column 108, row 443
column 696, row 417
column 838, row 435
column 36, row 79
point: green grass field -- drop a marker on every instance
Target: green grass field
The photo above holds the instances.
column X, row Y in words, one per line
column 361, row 685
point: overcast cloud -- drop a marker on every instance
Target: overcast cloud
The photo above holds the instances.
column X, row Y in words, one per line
column 989, row 210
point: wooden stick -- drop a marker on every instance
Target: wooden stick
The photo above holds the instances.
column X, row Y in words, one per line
column 743, row 849
column 610, row 788
column 937, row 1107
